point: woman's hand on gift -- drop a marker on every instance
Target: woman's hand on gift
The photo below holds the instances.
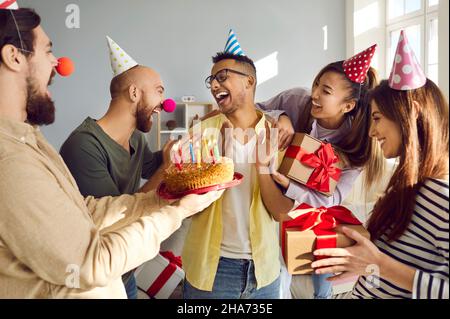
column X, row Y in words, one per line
column 358, row 259
column 281, row 180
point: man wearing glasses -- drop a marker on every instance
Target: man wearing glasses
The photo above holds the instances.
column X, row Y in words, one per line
column 231, row 250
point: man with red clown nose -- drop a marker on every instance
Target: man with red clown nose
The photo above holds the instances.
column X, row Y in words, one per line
column 108, row 157
column 54, row 243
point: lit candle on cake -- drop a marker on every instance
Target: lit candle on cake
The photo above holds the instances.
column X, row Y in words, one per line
column 199, row 154
column 191, row 150
column 177, row 156
column 216, row 150
column 180, row 152
column 211, row 152
column 205, row 148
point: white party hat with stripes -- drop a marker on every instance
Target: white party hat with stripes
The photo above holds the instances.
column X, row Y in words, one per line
column 233, row 45
column 120, row 60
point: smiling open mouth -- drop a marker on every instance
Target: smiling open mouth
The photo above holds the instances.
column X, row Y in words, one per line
column 221, row 96
column 50, row 80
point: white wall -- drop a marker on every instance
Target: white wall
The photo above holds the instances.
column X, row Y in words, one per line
column 349, row 26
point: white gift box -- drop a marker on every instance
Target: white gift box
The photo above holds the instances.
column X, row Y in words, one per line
column 149, row 277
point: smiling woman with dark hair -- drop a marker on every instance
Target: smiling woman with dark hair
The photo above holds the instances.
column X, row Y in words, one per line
column 336, row 111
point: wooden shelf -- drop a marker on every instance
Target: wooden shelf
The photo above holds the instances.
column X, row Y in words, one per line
column 183, row 115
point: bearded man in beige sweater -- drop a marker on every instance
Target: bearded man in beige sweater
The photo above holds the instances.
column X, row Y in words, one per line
column 54, row 243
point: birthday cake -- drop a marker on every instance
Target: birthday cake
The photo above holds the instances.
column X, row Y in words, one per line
column 192, row 176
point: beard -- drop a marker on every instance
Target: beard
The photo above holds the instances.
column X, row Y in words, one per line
column 143, row 121
column 40, row 108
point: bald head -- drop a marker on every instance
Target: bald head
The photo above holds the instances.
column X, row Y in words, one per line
column 139, row 76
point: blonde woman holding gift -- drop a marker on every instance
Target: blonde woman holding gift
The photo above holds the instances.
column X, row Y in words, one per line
column 409, row 226
column 336, row 112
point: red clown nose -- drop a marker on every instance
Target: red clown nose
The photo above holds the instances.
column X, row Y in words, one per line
column 65, row 66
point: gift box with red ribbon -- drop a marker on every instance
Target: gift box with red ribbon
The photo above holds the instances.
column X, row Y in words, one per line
column 160, row 276
column 314, row 228
column 313, row 163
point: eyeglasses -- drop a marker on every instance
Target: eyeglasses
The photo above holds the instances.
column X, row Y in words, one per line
column 221, row 76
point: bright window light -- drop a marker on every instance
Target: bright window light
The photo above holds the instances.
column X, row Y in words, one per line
column 433, row 51
column 366, row 19
column 267, row 68
column 433, row 3
column 399, row 8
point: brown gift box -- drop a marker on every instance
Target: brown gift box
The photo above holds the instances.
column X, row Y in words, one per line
column 299, row 172
column 298, row 253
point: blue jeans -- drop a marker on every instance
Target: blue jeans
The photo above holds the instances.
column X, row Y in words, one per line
column 235, row 279
column 322, row 287
column 130, row 285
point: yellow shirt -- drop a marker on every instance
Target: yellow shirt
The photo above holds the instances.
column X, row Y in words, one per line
column 201, row 251
column 56, row 244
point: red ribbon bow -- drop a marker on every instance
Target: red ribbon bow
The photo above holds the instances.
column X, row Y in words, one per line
column 321, row 221
column 172, row 258
column 322, row 161
column 174, row 262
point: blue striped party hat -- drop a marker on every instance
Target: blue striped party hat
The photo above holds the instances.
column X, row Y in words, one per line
column 233, row 45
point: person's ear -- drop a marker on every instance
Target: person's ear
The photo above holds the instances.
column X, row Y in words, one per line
column 134, row 93
column 12, row 58
column 250, row 81
column 349, row 106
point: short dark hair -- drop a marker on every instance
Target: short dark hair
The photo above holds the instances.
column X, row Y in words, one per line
column 242, row 59
column 27, row 20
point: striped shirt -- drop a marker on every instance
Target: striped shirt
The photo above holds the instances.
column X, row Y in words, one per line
column 423, row 246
